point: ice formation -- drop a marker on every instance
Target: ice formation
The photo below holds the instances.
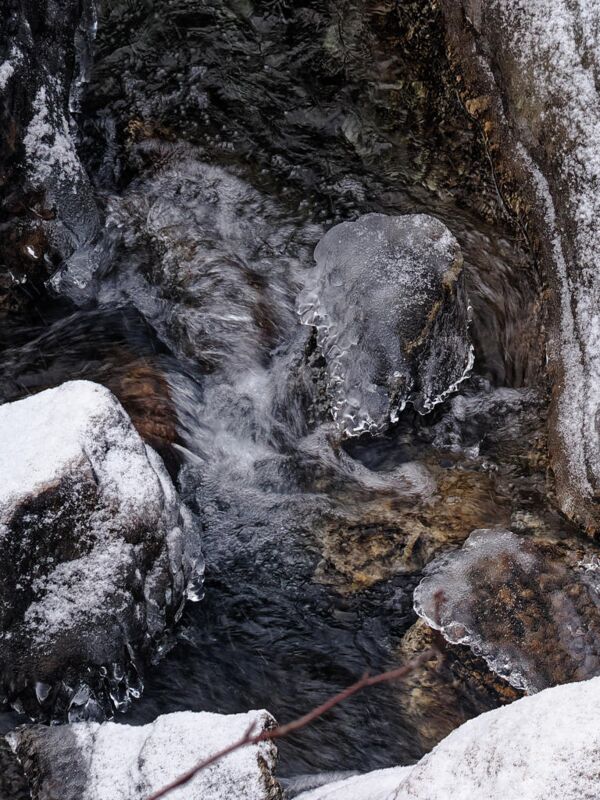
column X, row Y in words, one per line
column 388, row 303
column 528, row 606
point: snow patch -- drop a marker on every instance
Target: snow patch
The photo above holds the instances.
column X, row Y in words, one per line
column 48, row 144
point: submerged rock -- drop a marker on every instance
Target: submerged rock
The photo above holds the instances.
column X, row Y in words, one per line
column 98, row 554
column 388, row 302
column 89, row 761
column 529, row 607
column 447, row 690
column 528, row 72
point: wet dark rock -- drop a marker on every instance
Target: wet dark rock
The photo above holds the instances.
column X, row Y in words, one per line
column 388, row 302
column 47, row 212
column 450, row 689
column 98, row 554
column 528, row 606
column 88, row 761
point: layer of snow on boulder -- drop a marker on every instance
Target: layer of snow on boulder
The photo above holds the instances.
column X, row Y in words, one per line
column 122, row 762
column 97, row 552
column 543, row 746
column 48, row 143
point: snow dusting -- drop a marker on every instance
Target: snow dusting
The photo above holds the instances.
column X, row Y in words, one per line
column 48, row 144
column 543, row 746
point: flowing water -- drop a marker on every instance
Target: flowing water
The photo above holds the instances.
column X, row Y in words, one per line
column 224, row 138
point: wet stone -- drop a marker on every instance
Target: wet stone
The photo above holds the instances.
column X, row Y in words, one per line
column 449, row 689
column 528, row 606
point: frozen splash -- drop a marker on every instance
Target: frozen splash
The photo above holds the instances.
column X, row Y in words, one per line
column 389, row 306
column 529, row 607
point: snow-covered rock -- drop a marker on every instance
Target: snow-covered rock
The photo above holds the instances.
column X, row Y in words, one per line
column 389, row 306
column 529, row 73
column 97, row 553
column 540, row 747
column 528, row 606
column 91, row 761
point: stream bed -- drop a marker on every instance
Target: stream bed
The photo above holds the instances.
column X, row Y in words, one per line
column 223, row 139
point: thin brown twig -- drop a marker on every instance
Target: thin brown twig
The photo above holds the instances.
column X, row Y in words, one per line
column 279, row 731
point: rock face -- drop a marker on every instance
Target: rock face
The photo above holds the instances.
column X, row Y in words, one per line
column 88, row 761
column 98, row 554
column 528, row 72
column 528, row 607
column 47, row 212
column 391, row 314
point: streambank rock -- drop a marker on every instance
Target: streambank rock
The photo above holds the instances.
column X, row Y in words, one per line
column 97, row 553
column 389, row 306
column 528, row 72
column 529, row 607
column 91, row 761
column 47, row 212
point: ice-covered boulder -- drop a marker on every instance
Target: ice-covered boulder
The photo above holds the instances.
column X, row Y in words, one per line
column 97, row 553
column 528, row 606
column 91, row 761
column 529, row 73
column 388, row 303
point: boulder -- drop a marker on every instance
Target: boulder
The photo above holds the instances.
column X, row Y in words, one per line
column 447, row 690
column 91, row 761
column 528, row 72
column 97, row 553
column 388, row 303
column 538, row 747
column 528, row 606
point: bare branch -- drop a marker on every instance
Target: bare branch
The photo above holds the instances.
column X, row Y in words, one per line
column 279, row 731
